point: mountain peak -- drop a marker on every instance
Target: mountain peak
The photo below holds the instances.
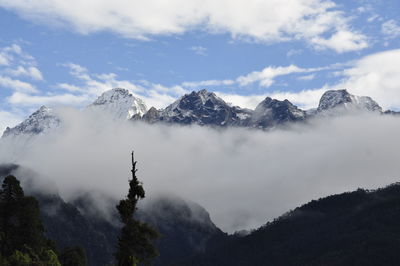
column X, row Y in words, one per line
column 272, row 111
column 203, row 91
column 43, row 109
column 120, row 103
column 41, row 121
column 204, row 95
column 202, row 107
column 269, row 102
column 333, row 99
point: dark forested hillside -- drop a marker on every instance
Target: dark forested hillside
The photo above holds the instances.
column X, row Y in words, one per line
column 356, row 228
column 185, row 227
column 353, row 228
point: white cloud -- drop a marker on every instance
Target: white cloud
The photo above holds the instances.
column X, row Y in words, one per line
column 3, row 60
column 14, row 48
column 391, row 29
column 32, row 72
column 373, row 18
column 204, row 83
column 17, row 85
column 342, row 41
column 377, row 76
column 92, row 85
column 266, row 77
column 7, row 54
column 200, row 50
column 8, row 119
column 293, row 52
column 69, row 87
column 23, row 99
column 244, row 101
column 307, row 77
column 17, row 63
column 305, row 99
column 319, row 22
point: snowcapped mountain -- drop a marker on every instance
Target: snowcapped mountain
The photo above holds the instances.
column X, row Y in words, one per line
column 271, row 112
column 120, row 103
column 203, row 108
column 342, row 100
column 40, row 122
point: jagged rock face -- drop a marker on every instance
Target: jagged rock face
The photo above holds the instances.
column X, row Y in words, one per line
column 271, row 112
column 152, row 116
column 203, row 108
column 342, row 99
column 41, row 121
column 119, row 103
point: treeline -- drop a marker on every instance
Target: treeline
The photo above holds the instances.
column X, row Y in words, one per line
column 354, row 228
column 22, row 240
column 22, row 234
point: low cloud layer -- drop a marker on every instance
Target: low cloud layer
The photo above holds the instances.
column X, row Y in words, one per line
column 242, row 177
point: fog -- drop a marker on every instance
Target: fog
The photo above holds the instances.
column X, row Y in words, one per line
column 243, row 177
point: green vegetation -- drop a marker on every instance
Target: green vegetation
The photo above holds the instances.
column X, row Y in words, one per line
column 22, row 240
column 354, row 228
column 135, row 244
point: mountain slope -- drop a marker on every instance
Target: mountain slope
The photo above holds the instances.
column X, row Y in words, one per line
column 271, row 112
column 203, row 108
column 40, row 122
column 185, row 227
column 119, row 103
column 355, row 228
column 342, row 99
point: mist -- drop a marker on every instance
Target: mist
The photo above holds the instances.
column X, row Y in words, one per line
column 242, row 177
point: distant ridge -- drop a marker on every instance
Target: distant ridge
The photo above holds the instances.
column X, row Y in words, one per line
column 203, row 108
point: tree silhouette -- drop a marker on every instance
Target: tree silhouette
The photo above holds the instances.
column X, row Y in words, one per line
column 135, row 244
column 22, row 240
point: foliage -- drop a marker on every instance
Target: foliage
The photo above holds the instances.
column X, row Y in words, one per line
column 22, row 240
column 354, row 228
column 135, row 244
column 73, row 256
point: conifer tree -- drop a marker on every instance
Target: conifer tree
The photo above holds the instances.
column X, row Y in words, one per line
column 135, row 244
column 22, row 240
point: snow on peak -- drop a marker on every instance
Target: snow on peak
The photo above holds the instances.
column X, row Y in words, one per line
column 333, row 99
column 41, row 121
column 120, row 103
column 204, row 108
column 271, row 112
column 189, row 102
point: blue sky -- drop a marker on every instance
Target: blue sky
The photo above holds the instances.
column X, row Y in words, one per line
column 65, row 53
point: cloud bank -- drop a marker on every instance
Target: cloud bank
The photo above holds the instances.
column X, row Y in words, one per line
column 320, row 23
column 242, row 177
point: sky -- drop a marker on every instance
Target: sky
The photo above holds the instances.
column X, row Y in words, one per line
column 66, row 53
